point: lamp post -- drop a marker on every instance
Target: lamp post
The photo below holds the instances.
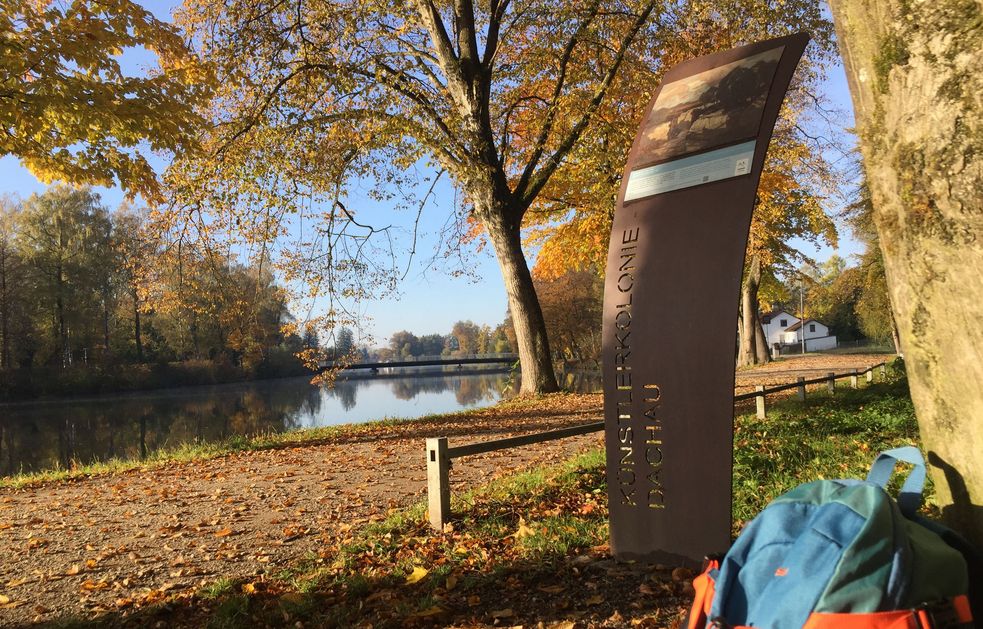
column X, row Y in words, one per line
column 802, row 321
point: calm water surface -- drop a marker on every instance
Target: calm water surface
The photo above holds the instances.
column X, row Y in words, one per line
column 55, row 434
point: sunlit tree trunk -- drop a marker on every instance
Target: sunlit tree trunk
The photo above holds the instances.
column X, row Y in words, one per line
column 527, row 315
column 914, row 73
column 752, row 349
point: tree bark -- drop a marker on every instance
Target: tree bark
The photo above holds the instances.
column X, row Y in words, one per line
column 527, row 315
column 4, row 308
column 914, row 76
column 136, row 326
column 752, row 349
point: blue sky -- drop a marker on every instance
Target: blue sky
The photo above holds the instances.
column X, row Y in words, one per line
column 429, row 300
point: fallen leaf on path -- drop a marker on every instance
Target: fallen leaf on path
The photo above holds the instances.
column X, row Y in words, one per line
column 223, row 532
column 418, row 573
column 503, row 613
column 436, row 610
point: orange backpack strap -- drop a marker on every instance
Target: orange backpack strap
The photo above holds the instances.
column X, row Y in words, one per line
column 704, row 585
column 953, row 614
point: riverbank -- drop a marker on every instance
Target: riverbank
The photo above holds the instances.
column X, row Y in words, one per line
column 333, row 533
column 79, row 380
column 58, row 439
column 387, row 427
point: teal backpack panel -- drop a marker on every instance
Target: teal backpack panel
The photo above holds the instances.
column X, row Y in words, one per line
column 838, row 546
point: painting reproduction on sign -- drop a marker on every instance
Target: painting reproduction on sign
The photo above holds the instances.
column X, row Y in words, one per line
column 713, row 108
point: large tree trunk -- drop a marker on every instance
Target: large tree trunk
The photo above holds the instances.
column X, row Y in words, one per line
column 914, row 72
column 752, row 349
column 527, row 316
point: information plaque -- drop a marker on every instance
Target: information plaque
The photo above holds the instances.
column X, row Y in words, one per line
column 671, row 297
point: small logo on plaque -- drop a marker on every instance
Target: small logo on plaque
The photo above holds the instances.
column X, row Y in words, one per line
column 742, row 166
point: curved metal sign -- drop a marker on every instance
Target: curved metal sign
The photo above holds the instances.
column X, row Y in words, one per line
column 670, row 301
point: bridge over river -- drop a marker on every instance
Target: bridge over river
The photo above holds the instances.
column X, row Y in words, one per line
column 429, row 361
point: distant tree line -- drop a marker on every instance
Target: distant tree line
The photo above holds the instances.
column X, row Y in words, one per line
column 465, row 338
column 82, row 289
column 571, row 304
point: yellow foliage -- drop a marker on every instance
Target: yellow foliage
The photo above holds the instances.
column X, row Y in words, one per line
column 70, row 112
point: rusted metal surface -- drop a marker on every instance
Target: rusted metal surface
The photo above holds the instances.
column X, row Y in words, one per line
column 671, row 294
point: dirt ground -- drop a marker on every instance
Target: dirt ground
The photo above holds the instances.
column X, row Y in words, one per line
column 80, row 547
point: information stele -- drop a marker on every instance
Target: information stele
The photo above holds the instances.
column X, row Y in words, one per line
column 670, row 299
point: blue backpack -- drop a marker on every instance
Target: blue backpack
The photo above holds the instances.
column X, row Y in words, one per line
column 840, row 554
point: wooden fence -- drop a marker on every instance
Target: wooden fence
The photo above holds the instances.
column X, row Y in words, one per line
column 440, row 454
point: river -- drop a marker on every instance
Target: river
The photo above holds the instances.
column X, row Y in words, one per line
column 59, row 433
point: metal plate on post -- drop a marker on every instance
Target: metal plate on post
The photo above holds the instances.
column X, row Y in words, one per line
column 671, row 294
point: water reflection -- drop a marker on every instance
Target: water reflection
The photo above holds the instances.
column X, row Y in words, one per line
column 46, row 435
column 58, row 434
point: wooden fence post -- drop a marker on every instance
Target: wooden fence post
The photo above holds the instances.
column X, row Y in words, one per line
column 870, row 375
column 760, row 401
column 438, row 482
column 831, row 383
column 854, row 383
column 801, row 391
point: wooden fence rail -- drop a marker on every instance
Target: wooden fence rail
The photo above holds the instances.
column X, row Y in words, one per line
column 440, row 454
column 439, row 457
column 830, row 379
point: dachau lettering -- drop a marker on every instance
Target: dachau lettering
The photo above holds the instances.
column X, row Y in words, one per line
column 650, row 395
column 671, row 293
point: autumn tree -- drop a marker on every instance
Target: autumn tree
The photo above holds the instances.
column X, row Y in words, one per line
column 834, row 292
column 873, row 307
column 404, row 344
column 914, row 74
column 68, row 109
column 466, row 335
column 572, row 305
column 63, row 235
column 500, row 96
column 12, row 283
column 570, row 221
column 135, row 257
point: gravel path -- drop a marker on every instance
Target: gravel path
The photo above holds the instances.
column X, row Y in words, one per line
column 104, row 543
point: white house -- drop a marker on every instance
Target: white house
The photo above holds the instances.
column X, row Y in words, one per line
column 774, row 325
column 783, row 328
column 817, row 336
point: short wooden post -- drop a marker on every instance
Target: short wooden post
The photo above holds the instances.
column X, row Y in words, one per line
column 831, row 383
column 759, row 400
column 854, row 383
column 438, row 482
column 870, row 375
column 801, row 391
